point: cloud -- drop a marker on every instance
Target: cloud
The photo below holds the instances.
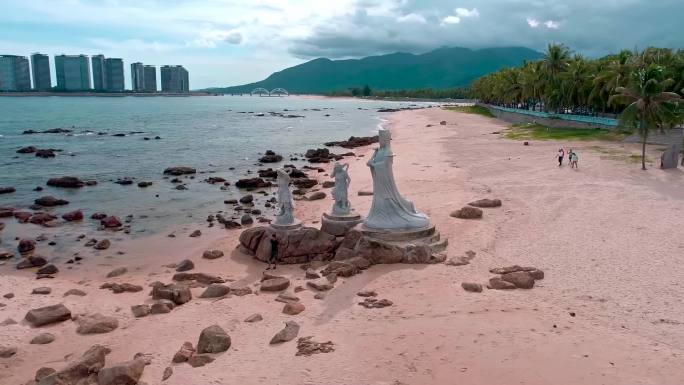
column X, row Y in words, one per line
column 533, row 23
column 463, row 12
column 412, row 18
column 550, row 24
column 211, row 38
column 451, row 20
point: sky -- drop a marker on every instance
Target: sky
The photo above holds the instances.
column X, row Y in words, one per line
column 230, row 42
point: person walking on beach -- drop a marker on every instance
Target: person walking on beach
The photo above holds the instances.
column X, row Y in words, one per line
column 573, row 160
column 561, row 155
column 274, row 253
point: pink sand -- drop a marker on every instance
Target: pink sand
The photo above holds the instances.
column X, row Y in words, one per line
column 608, row 236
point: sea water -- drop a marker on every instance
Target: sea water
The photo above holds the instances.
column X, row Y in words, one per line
column 210, row 133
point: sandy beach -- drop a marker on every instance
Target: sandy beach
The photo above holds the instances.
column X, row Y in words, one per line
column 608, row 237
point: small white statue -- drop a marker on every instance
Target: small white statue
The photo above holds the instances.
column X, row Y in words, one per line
column 285, row 214
column 389, row 209
column 339, row 192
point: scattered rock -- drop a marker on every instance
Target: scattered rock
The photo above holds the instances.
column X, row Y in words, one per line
column 318, row 195
column 102, row 245
column 254, row 318
column 48, row 269
column 374, row 303
column 367, row 293
column 32, row 261
column 497, row 283
column 270, row 157
column 161, row 307
column 76, row 292
column 215, row 290
column 354, row 141
column 110, row 222
column 47, row 315
column 168, row 372
column 7, row 351
column 178, row 294
column 71, row 216
column 42, row 290
column 275, row 284
column 118, row 288
column 306, row 346
column 26, row 245
column 249, row 198
column 144, row 184
column 195, row 233
column 328, row 184
column 179, row 170
column 246, row 219
column 240, row 291
column 50, row 201
column 98, row 216
column 286, row 334
column 66, row 182
column 521, row 279
column 8, row 322
column 42, row 339
column 362, row 193
column 119, row 271
column 486, row 203
column 467, row 212
column 81, row 370
column 311, row 274
column 293, row 308
column 185, row 265
column 213, row 339
column 126, row 373
column 197, row 360
column 471, row 287
column 96, row 324
column 212, row 254
column 252, row 183
column 184, row 353
column 202, row 278
column 320, row 284
column 140, row 310
column 43, row 372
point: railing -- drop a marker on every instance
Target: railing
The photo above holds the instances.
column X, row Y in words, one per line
column 577, row 118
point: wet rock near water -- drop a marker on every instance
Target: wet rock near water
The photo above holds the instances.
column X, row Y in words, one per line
column 252, row 183
column 180, row 170
column 66, row 182
column 32, row 261
column 50, row 201
column 270, row 157
column 76, row 215
column 354, row 141
column 7, row 190
column 48, row 269
column 26, row 245
column 111, row 222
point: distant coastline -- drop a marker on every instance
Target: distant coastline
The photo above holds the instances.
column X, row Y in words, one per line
column 108, row 94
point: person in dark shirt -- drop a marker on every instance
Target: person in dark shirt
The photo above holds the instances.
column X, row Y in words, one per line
column 274, row 253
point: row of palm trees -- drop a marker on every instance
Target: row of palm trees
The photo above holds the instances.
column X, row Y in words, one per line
column 645, row 88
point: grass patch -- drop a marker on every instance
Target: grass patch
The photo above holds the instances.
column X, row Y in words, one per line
column 477, row 110
column 541, row 132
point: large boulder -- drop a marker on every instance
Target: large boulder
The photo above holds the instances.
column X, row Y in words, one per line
column 355, row 141
column 76, row 215
column 126, row 373
column 270, row 157
column 66, row 182
column 213, row 339
column 179, row 170
column 47, row 315
column 296, row 246
column 96, row 324
column 252, row 183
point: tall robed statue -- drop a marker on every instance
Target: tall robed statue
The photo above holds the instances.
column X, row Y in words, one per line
column 339, row 192
column 285, row 215
column 389, row 209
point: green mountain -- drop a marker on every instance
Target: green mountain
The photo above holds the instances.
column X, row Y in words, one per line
column 441, row 68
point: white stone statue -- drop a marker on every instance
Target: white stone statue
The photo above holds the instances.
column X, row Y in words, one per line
column 339, row 192
column 285, row 214
column 389, row 209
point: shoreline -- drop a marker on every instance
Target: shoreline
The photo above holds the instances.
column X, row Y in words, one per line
column 583, row 228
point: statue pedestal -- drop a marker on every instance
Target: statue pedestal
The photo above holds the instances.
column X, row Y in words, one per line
column 339, row 225
column 422, row 245
column 293, row 226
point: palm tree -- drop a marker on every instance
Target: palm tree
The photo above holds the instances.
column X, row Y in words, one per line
column 649, row 107
column 555, row 61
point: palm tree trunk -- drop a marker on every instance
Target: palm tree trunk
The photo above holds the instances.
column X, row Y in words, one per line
column 643, row 153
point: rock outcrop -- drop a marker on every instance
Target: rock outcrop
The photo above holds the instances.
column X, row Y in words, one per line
column 296, row 246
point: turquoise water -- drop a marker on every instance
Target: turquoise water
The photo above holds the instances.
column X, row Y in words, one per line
column 209, row 133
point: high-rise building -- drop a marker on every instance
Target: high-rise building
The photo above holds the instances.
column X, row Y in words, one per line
column 174, row 79
column 138, row 77
column 150, row 78
column 40, row 66
column 99, row 71
column 15, row 74
column 114, row 74
column 73, row 72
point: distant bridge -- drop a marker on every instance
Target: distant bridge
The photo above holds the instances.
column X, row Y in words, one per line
column 274, row 92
